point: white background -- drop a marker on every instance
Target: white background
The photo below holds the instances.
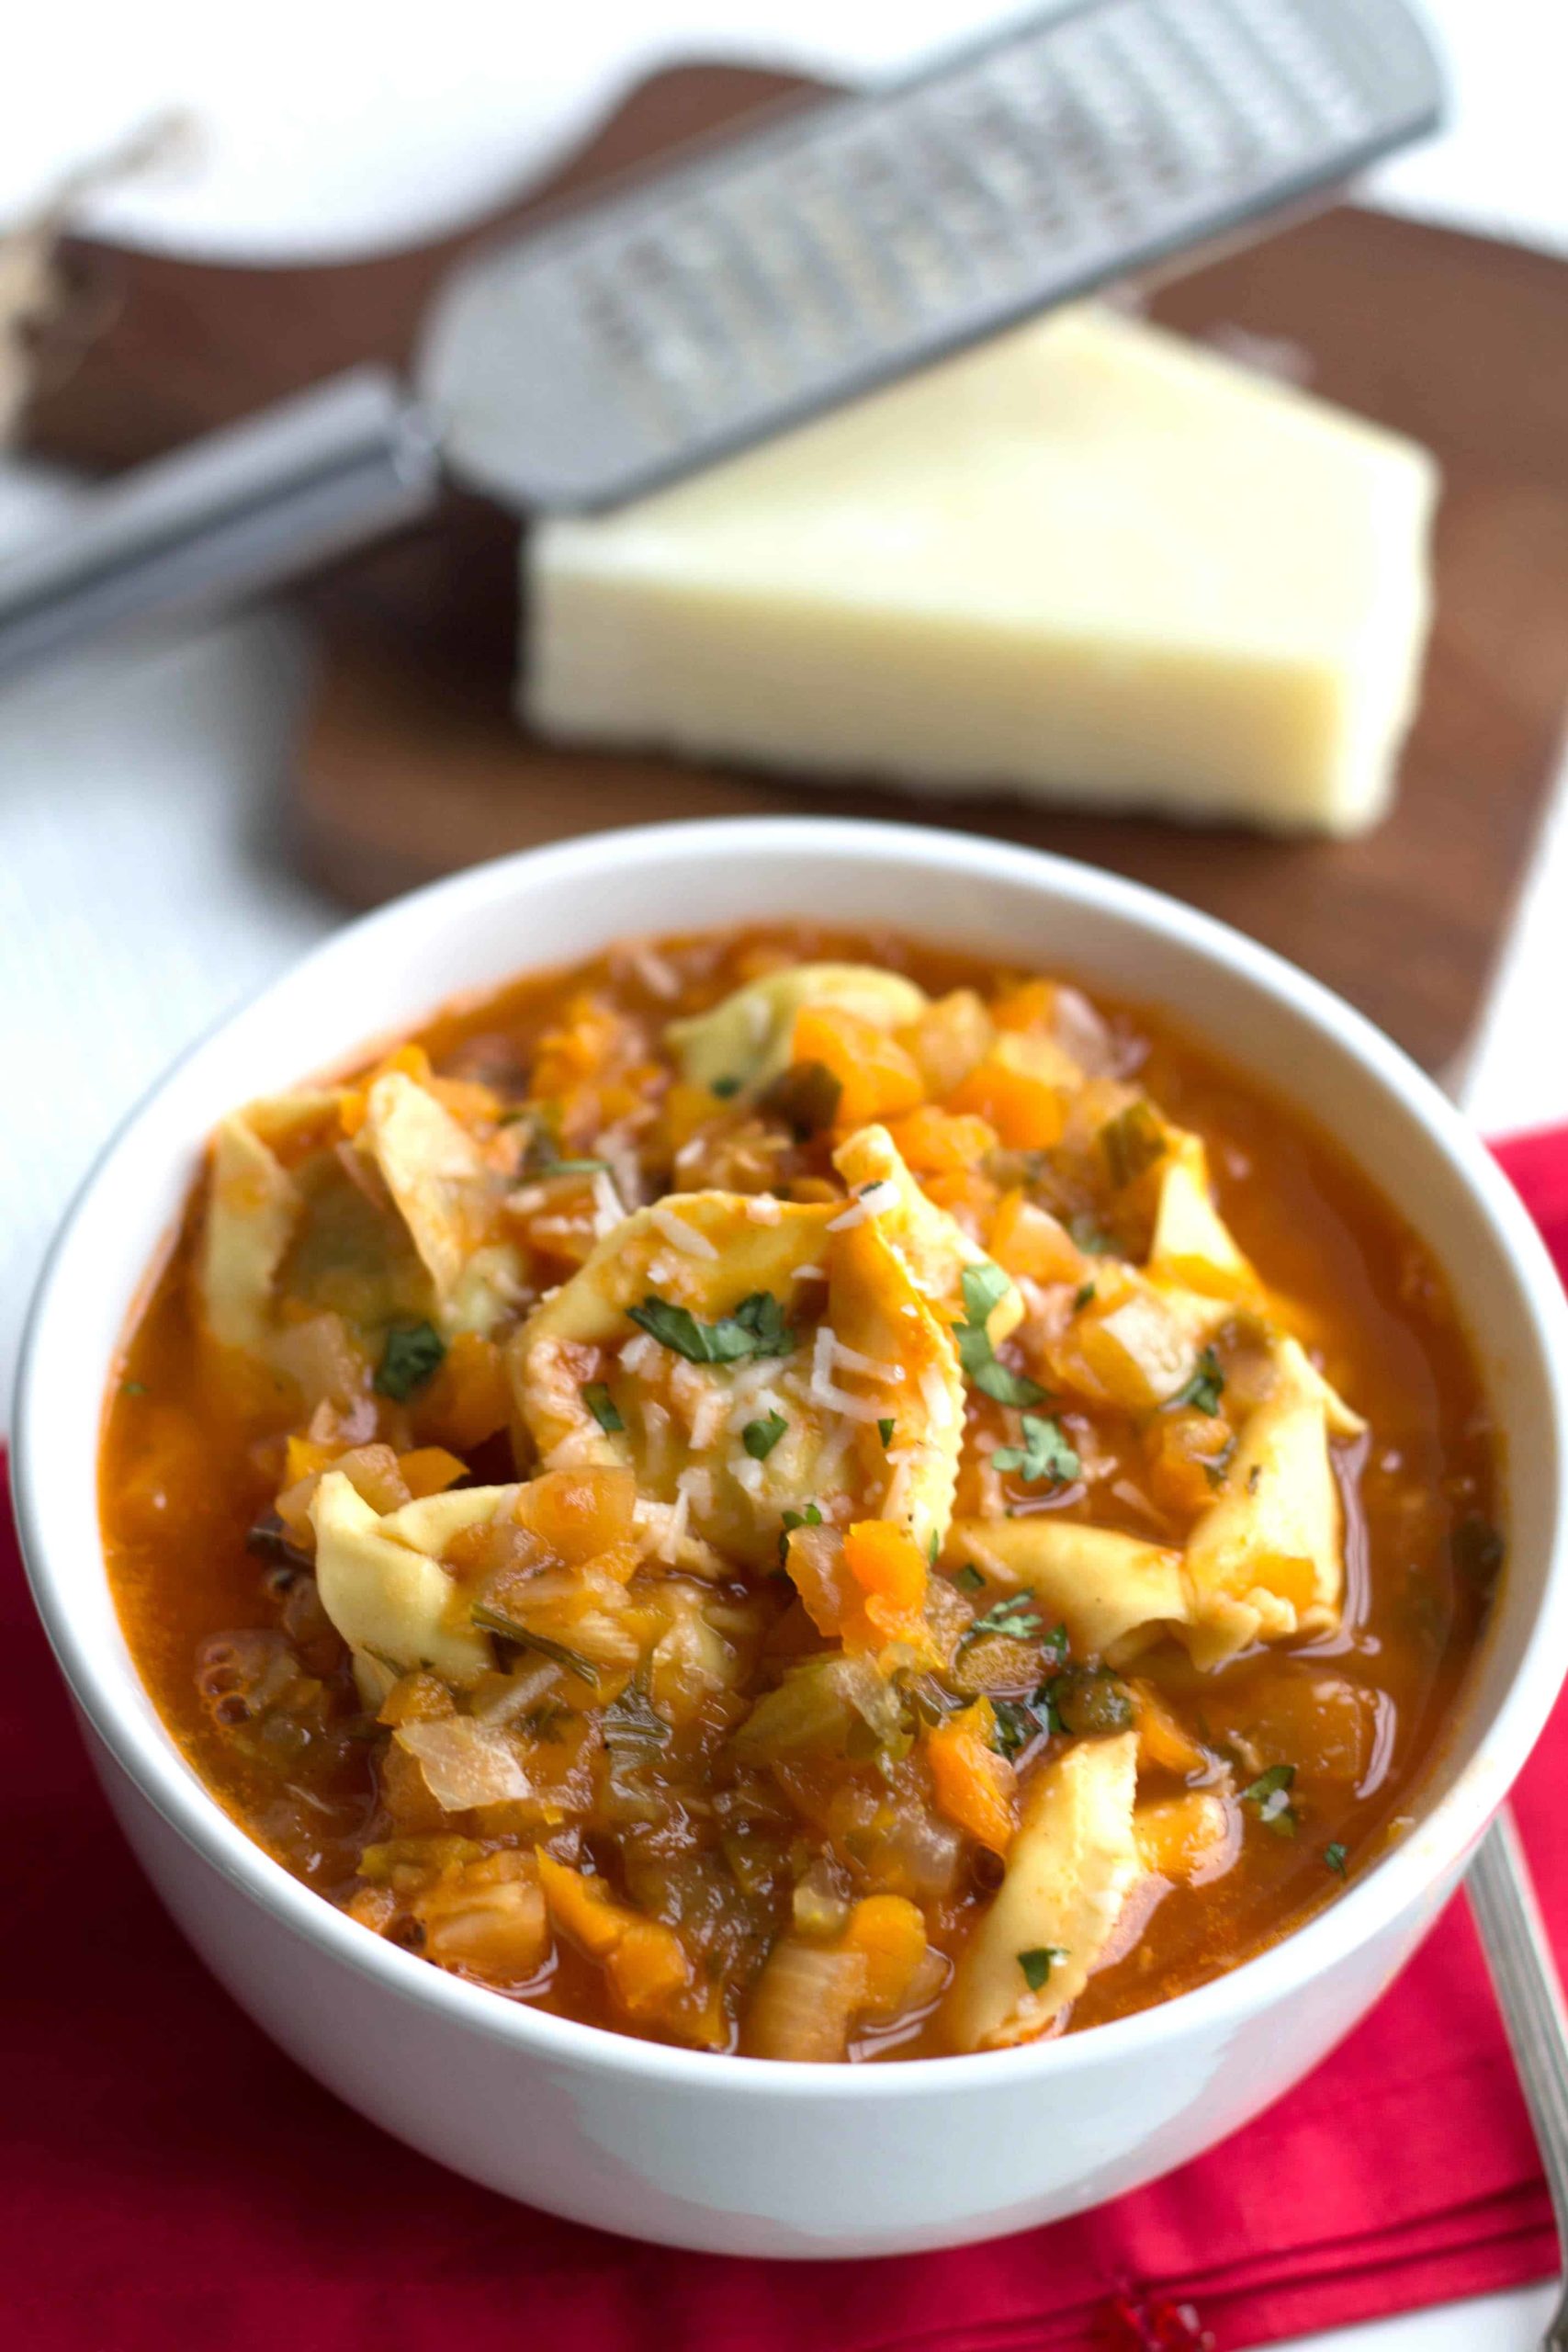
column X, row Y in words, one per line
column 142, row 887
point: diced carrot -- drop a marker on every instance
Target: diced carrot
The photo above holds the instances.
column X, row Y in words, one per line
column 430, row 1470
column 1163, row 1741
column 647, row 1966
column 303, row 1458
column 582, row 1907
column 876, row 1078
column 938, row 1143
column 686, row 1109
column 1027, row 1239
column 1186, row 1454
column 1028, row 1006
column 469, row 1398
column 1027, row 1110
column 1179, row 1837
column 1294, row 1580
column 966, row 1194
column 890, row 1934
column 885, row 1562
column 975, row 1786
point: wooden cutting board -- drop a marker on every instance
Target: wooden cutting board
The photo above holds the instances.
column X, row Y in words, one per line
column 410, row 764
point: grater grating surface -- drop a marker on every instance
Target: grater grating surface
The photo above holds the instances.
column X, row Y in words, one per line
column 852, row 241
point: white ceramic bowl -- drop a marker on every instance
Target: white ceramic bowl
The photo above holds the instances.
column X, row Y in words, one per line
column 725, row 2153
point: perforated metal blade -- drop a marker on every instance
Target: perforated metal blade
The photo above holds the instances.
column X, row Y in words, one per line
column 853, row 240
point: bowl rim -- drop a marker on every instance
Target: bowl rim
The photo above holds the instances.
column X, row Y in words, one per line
column 1400, row 1883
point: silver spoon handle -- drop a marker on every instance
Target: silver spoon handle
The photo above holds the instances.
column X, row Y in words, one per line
column 1529, row 1995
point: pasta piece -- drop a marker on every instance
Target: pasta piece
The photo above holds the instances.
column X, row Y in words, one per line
column 253, row 1206
column 932, row 1244
column 1114, row 1594
column 747, row 1038
column 1072, row 1865
column 791, row 1424
column 1192, row 1247
column 1265, row 1563
column 445, row 1196
column 382, row 1585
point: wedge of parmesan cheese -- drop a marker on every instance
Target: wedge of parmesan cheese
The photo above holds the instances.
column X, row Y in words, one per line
column 1090, row 561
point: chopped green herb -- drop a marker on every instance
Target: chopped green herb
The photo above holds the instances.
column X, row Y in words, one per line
column 1478, row 1549
column 1019, row 1720
column 495, row 1621
column 760, row 1438
column 1082, row 1298
column 934, row 1547
column 1015, row 1618
column 885, row 1432
column 1131, row 1142
column 1269, row 1797
column 134, row 1388
column 632, row 1724
column 601, row 1405
column 1206, row 1386
column 1091, row 1236
column 1045, row 1453
column 757, row 1328
column 411, row 1353
column 1336, row 1858
column 969, row 1578
column 1216, row 1468
column 1037, row 1965
column 1056, row 1647
column 574, row 1168
column 725, row 1086
column 983, row 1286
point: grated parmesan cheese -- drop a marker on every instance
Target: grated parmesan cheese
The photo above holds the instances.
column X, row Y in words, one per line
column 607, row 1210
column 679, row 1235
column 638, row 1354
column 938, row 1403
column 762, row 1209
column 876, row 1201
column 655, row 974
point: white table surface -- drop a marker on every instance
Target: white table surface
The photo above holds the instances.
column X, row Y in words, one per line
column 143, row 888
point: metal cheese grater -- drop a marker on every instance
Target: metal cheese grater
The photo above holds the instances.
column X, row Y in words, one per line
column 763, row 280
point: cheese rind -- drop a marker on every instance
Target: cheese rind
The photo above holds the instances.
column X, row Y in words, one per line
column 1090, row 561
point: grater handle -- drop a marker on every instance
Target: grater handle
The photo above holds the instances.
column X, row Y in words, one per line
column 237, row 510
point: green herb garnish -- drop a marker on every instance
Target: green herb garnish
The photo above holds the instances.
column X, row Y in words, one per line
column 495, row 1621
column 885, row 1432
column 725, row 1086
column 983, row 1286
column 1014, row 1619
column 411, row 1353
column 1082, row 1298
column 1206, row 1386
column 757, row 1328
column 1045, row 1453
column 601, row 1405
column 1037, row 1965
column 1091, row 1236
column 1336, row 1858
column 969, row 1578
column 1269, row 1797
column 760, row 1438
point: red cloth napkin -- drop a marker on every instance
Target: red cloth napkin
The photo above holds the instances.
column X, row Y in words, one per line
column 170, row 2180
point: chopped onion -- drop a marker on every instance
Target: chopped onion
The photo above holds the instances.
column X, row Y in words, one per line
column 464, row 1762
